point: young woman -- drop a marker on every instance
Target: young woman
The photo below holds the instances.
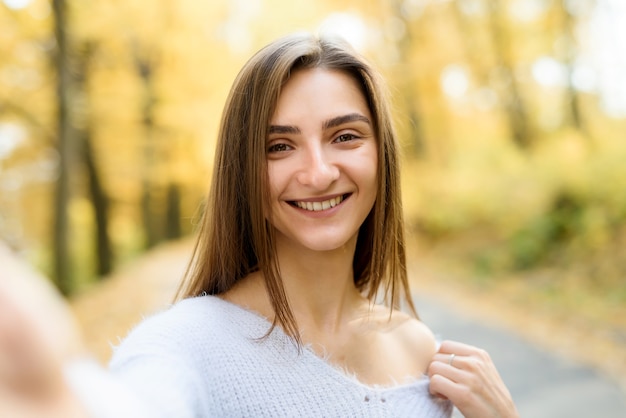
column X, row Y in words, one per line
column 301, row 238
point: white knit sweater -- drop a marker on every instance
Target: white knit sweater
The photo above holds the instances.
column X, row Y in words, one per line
column 204, row 357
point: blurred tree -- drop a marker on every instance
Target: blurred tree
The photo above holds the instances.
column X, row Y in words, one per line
column 138, row 116
column 567, row 52
column 99, row 199
column 146, row 61
column 403, row 36
column 160, row 199
column 504, row 73
column 65, row 146
column 173, row 228
column 421, row 32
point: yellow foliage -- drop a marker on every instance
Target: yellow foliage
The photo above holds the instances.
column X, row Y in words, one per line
column 157, row 73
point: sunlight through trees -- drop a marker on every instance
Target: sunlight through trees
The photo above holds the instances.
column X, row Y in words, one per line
column 511, row 114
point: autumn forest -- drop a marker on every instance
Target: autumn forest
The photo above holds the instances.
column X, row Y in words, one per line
column 512, row 117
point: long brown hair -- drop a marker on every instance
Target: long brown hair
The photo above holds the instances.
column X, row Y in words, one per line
column 235, row 237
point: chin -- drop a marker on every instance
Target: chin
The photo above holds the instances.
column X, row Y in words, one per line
column 316, row 239
column 326, row 244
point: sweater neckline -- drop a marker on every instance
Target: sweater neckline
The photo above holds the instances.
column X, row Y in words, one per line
column 334, row 371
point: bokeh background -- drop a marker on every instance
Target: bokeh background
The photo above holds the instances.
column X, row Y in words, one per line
column 512, row 116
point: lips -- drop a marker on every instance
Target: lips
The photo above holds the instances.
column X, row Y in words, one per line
column 320, row 205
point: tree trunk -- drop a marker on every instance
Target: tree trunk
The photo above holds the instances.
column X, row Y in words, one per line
column 407, row 89
column 152, row 225
column 99, row 199
column 100, row 203
column 60, row 245
column 572, row 97
column 173, row 228
column 514, row 106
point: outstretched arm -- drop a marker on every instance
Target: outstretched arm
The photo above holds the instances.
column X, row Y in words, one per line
column 37, row 335
column 45, row 372
column 467, row 376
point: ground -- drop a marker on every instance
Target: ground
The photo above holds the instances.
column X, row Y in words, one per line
column 108, row 310
column 575, row 325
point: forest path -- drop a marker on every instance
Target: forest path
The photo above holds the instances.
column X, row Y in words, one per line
column 109, row 309
column 543, row 382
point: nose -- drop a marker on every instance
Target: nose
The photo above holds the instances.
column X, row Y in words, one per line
column 318, row 169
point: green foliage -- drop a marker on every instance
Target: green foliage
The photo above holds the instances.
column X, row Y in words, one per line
column 549, row 232
column 561, row 205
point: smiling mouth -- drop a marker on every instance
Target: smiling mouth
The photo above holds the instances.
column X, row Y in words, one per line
column 319, row 206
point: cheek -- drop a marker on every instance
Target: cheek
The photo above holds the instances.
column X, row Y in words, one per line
column 276, row 186
column 273, row 181
column 372, row 177
column 369, row 171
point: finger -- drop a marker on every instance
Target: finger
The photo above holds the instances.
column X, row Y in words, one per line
column 469, row 402
column 449, row 372
column 455, row 347
column 465, row 356
column 477, row 364
column 438, row 384
column 442, row 386
column 450, row 359
column 470, row 380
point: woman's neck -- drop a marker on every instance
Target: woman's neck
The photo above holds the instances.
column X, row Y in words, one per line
column 320, row 286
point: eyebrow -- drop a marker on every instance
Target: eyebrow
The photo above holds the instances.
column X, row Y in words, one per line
column 284, row 129
column 340, row 120
column 330, row 123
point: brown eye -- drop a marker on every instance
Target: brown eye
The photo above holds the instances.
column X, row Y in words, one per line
column 345, row 138
column 280, row 147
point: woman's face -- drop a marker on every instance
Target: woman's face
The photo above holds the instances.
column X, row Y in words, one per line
column 322, row 160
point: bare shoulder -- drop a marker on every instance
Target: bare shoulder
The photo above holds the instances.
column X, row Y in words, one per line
column 411, row 340
column 401, row 324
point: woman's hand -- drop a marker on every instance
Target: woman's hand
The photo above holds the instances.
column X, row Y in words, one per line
column 466, row 376
column 37, row 336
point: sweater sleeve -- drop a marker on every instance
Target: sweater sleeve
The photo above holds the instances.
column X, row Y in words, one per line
column 139, row 387
column 101, row 395
column 152, row 374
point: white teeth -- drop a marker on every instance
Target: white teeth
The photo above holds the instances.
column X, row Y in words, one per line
column 318, row 206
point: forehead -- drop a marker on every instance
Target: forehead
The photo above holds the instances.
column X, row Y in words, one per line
column 319, row 93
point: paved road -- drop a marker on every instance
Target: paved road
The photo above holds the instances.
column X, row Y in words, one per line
column 542, row 384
